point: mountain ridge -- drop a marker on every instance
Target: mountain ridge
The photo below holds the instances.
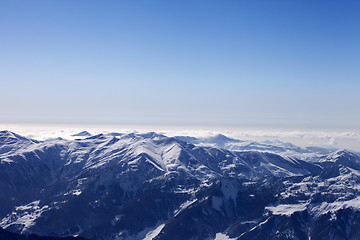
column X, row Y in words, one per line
column 125, row 186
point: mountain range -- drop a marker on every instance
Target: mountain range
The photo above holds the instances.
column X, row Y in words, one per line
column 150, row 186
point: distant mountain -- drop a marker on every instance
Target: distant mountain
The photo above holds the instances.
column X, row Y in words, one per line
column 218, row 140
column 274, row 146
column 149, row 186
column 82, row 134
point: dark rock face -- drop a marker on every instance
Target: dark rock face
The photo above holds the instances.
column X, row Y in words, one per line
column 6, row 235
column 129, row 186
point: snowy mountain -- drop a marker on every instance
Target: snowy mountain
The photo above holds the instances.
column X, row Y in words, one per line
column 82, row 134
column 149, row 186
column 272, row 146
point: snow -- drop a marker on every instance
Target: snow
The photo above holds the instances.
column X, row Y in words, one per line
column 156, row 166
column 325, row 207
column 75, row 192
column 145, row 234
column 258, row 225
column 221, row 236
column 316, row 209
column 119, row 155
column 6, row 161
column 287, row 209
column 31, row 205
column 25, row 216
column 152, row 234
column 184, row 206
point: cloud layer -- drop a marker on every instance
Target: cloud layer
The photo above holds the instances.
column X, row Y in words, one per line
column 324, row 138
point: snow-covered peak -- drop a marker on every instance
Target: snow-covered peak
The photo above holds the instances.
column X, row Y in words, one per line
column 221, row 140
column 8, row 136
column 151, row 135
column 342, row 154
column 82, row 134
column 11, row 142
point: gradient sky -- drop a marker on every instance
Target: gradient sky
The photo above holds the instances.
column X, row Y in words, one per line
column 237, row 63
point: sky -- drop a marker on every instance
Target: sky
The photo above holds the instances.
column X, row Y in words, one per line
column 260, row 64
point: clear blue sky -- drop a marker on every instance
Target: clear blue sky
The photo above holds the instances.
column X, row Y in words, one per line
column 239, row 63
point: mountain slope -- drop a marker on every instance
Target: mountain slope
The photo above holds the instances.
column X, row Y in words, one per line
column 130, row 186
column 6, row 235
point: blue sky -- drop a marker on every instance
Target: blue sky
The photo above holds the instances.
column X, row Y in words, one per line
column 227, row 63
